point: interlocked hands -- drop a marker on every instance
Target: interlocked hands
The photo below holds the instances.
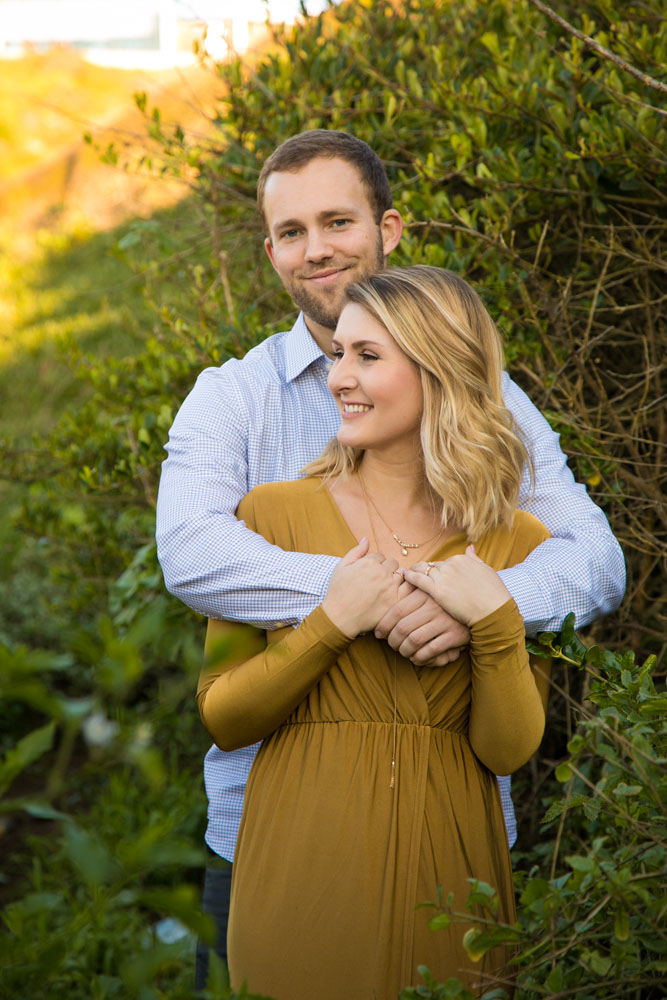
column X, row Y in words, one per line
column 424, row 613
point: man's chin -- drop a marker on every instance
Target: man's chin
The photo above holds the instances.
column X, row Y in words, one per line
column 328, row 318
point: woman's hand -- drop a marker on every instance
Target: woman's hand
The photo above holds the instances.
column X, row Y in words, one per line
column 463, row 585
column 362, row 589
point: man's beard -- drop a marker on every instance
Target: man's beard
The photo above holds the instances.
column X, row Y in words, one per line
column 317, row 309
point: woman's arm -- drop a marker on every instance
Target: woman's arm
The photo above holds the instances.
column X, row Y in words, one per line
column 508, row 706
column 509, row 695
column 243, row 700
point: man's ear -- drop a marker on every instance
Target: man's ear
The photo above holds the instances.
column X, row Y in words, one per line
column 268, row 246
column 391, row 228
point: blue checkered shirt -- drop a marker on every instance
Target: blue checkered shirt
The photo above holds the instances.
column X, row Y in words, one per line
column 261, row 420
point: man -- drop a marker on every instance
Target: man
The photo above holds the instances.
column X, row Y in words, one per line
column 327, row 209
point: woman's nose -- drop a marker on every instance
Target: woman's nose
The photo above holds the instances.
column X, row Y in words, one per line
column 341, row 375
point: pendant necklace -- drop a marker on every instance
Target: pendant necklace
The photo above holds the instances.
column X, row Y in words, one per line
column 404, row 546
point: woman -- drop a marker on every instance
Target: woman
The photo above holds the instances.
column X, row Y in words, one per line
column 375, row 782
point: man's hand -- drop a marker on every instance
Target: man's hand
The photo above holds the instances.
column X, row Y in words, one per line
column 421, row 631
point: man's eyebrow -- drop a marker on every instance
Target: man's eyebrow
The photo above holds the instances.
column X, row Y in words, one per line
column 336, row 213
column 329, row 213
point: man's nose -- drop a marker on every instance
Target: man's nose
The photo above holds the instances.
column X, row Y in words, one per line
column 318, row 245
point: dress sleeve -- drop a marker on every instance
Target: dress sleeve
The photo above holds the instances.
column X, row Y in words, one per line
column 242, row 702
column 509, row 692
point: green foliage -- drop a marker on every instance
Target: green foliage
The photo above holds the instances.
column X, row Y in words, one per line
column 593, row 924
column 519, row 158
column 535, row 168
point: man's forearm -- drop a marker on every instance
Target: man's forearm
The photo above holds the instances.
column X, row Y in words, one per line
column 230, row 572
column 562, row 575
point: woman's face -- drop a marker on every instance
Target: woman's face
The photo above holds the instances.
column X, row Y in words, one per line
column 376, row 386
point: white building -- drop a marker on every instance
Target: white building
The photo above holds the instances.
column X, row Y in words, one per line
column 139, row 33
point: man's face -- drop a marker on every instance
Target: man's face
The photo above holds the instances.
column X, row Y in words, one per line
column 323, row 236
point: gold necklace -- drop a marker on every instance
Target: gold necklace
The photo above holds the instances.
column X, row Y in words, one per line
column 404, row 546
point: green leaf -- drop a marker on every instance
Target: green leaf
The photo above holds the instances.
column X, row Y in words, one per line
column 563, row 772
column 554, row 981
column 581, row 864
column 622, row 925
column 473, row 944
column 625, row 791
column 42, row 810
column 88, row 855
column 490, row 40
column 27, row 750
column 599, row 964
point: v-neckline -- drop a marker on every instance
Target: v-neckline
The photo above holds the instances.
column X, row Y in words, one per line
column 339, row 516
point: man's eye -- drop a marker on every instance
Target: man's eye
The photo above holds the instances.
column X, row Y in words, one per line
column 290, row 234
column 339, row 223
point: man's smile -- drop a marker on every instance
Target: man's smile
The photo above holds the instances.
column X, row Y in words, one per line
column 325, row 277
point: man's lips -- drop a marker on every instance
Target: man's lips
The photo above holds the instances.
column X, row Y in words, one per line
column 325, row 277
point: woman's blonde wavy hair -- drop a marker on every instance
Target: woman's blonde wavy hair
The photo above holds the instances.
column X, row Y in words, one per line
column 473, row 454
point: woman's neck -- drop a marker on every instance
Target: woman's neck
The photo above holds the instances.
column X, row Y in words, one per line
column 400, row 479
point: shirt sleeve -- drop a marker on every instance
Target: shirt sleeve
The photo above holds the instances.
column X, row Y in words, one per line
column 581, row 567
column 243, row 702
column 209, row 558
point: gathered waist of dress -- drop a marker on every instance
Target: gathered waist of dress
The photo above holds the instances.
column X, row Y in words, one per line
column 401, row 724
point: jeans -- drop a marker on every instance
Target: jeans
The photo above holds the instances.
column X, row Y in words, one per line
column 215, row 902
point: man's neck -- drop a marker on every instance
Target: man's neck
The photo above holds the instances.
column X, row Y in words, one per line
column 322, row 335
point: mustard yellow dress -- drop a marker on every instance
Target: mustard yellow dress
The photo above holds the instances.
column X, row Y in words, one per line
column 332, row 860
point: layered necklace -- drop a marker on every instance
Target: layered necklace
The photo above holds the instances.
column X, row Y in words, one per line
column 404, row 546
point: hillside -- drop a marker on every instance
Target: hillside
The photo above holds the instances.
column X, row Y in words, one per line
column 48, row 101
column 60, row 208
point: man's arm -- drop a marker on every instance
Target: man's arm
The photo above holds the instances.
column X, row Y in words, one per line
column 210, row 560
column 217, row 566
column 581, row 567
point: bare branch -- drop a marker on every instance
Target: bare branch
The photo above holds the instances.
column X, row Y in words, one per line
column 649, row 81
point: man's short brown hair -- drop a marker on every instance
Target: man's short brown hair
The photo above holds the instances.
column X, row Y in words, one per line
column 298, row 151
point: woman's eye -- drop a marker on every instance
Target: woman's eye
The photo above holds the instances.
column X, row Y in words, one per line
column 369, row 357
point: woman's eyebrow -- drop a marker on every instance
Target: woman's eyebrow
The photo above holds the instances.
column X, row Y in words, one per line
column 358, row 343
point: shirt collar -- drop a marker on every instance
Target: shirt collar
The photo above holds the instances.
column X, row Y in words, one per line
column 301, row 350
